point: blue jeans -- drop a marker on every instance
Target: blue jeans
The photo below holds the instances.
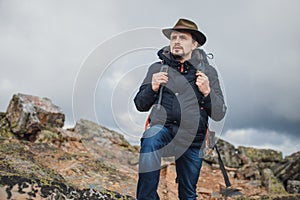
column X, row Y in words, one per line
column 156, row 143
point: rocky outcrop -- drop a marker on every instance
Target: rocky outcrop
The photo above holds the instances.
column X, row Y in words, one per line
column 288, row 168
column 62, row 168
column 105, row 137
column 261, row 155
column 17, row 187
column 90, row 161
column 59, row 162
column 29, row 114
column 229, row 154
column 263, row 167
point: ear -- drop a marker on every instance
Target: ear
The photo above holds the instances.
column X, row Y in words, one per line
column 195, row 44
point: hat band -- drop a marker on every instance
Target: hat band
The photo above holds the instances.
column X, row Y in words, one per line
column 184, row 27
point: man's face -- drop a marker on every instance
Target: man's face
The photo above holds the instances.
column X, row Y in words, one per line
column 182, row 45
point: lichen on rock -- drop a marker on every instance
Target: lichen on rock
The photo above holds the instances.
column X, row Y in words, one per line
column 5, row 130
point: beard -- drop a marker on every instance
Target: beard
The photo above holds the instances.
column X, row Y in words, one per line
column 178, row 54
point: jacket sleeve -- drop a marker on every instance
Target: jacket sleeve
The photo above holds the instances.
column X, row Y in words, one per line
column 214, row 103
column 146, row 97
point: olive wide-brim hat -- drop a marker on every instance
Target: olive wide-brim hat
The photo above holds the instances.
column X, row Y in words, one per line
column 187, row 26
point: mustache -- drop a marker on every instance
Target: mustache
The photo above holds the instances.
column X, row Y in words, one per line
column 177, row 46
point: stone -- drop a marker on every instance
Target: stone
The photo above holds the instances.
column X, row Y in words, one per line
column 288, row 169
column 250, row 171
column 46, row 136
column 91, row 130
column 228, row 152
column 261, row 155
column 273, row 185
column 133, row 160
column 67, row 135
column 205, row 191
column 293, row 187
column 255, row 183
column 29, row 114
column 229, row 192
column 108, row 146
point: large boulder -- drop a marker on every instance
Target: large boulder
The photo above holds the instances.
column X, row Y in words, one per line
column 29, row 114
column 91, row 130
column 293, row 187
column 250, row 171
column 273, row 185
column 108, row 146
column 288, row 169
column 228, row 152
column 261, row 155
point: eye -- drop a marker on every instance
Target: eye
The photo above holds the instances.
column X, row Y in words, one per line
column 183, row 37
column 173, row 37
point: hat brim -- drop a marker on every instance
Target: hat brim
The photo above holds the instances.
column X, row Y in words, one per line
column 197, row 35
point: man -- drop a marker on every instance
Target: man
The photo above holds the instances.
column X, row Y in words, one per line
column 182, row 96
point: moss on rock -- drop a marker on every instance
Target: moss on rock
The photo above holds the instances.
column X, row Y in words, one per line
column 5, row 130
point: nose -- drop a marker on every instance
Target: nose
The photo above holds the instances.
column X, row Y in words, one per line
column 177, row 40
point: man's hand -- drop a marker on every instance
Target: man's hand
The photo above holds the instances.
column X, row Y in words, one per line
column 158, row 79
column 203, row 83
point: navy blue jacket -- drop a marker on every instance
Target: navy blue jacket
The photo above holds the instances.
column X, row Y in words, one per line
column 184, row 109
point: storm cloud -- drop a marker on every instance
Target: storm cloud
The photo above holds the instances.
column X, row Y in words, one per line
column 45, row 45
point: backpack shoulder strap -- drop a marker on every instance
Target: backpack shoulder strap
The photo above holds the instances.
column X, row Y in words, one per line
column 204, row 60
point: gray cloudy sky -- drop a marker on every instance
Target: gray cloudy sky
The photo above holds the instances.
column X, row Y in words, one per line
column 52, row 48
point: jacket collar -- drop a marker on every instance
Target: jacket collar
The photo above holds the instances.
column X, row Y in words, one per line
column 166, row 56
